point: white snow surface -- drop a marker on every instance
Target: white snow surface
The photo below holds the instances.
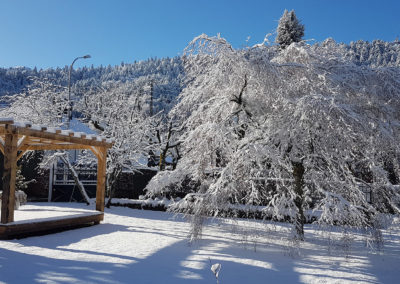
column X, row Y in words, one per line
column 78, row 126
column 6, row 119
column 138, row 246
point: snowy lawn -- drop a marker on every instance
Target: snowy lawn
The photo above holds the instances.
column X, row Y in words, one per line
column 136, row 246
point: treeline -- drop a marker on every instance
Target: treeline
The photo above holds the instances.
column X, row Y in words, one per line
column 13, row 80
column 165, row 74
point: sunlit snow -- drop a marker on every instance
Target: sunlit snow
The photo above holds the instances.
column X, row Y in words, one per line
column 137, row 246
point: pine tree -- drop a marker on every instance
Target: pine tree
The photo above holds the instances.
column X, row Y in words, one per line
column 289, row 29
column 20, row 182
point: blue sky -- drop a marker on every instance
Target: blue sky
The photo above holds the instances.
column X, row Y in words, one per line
column 51, row 33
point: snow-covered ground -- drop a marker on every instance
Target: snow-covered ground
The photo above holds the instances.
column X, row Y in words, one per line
column 137, row 246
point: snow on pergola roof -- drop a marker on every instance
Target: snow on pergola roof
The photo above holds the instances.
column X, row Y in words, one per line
column 36, row 137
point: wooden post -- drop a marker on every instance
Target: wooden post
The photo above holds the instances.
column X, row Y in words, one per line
column 10, row 169
column 101, row 178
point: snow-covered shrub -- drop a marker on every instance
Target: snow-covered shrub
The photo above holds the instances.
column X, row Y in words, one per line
column 20, row 199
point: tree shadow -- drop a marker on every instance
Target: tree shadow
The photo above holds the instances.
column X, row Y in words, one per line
column 107, row 253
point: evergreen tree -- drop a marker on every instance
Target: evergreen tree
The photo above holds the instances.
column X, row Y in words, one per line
column 20, row 181
column 289, row 29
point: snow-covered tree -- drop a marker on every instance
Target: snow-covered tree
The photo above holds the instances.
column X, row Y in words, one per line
column 116, row 111
column 305, row 129
column 41, row 103
column 20, row 182
column 125, row 111
column 166, row 72
column 289, row 29
column 164, row 143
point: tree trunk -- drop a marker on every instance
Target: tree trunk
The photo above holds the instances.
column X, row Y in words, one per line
column 78, row 183
column 112, row 178
column 298, row 173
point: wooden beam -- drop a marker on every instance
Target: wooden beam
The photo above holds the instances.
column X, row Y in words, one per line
column 60, row 137
column 101, row 178
column 58, row 147
column 10, row 169
column 6, row 121
column 19, row 156
column 21, row 141
column 41, row 226
column 96, row 152
column 2, row 145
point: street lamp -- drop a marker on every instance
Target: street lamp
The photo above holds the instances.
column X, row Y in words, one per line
column 69, row 109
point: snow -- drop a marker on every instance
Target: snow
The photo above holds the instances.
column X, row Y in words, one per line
column 66, row 132
column 78, row 134
column 310, row 214
column 47, row 211
column 146, row 202
column 138, row 246
column 216, row 268
column 35, row 127
column 20, row 124
column 53, row 129
column 6, row 119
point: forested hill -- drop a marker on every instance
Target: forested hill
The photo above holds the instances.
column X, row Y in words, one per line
column 166, row 75
column 168, row 72
column 374, row 54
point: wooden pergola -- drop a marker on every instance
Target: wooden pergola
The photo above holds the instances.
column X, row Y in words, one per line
column 18, row 138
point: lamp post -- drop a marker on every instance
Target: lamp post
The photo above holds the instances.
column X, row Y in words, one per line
column 69, row 109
